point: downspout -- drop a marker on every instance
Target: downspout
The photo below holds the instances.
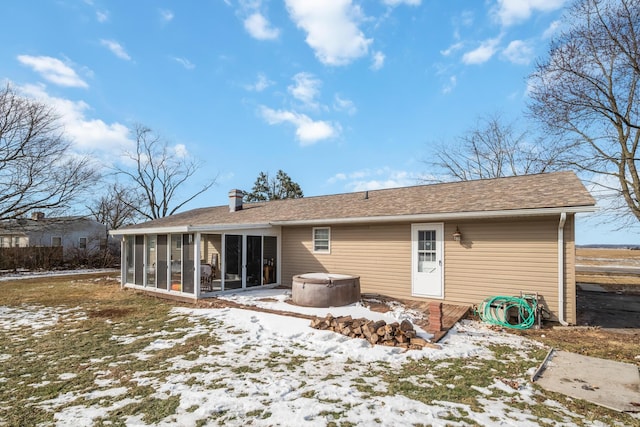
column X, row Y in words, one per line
column 197, row 275
column 123, row 265
column 563, row 219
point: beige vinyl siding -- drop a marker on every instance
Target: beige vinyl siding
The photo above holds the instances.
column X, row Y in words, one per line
column 505, row 257
column 379, row 254
column 495, row 257
column 211, row 244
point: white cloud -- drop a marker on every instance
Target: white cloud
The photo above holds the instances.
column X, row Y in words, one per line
column 454, row 47
column 375, row 179
column 87, row 135
column 332, row 29
column 260, row 28
column 308, row 131
column 343, row 104
column 466, row 18
column 180, row 150
column 399, row 2
column 166, row 15
column 482, row 53
column 53, row 70
column 337, row 177
column 510, row 12
column 552, row 29
column 378, row 61
column 518, row 52
column 185, row 63
column 116, row 48
column 306, row 89
column 450, row 85
column 261, row 84
column 102, row 15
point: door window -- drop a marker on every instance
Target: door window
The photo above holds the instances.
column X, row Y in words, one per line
column 426, row 249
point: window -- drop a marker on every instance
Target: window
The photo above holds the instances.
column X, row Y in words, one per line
column 56, row 241
column 426, row 249
column 321, row 239
column 16, row 242
column 82, row 243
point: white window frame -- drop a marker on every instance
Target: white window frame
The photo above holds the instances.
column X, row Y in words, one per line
column 316, row 250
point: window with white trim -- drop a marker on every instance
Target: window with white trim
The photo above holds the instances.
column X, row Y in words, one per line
column 322, row 240
column 82, row 243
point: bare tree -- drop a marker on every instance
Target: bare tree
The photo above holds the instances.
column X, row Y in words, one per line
column 118, row 207
column 158, row 174
column 493, row 149
column 587, row 91
column 37, row 169
column 280, row 187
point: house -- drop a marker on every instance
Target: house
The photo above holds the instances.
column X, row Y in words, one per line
column 454, row 242
column 72, row 233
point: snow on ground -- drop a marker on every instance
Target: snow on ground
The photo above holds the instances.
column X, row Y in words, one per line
column 27, row 274
column 271, row 369
column 36, row 317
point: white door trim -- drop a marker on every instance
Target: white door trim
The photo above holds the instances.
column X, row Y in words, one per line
column 429, row 285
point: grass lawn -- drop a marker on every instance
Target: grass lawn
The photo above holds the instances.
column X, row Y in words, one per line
column 84, row 352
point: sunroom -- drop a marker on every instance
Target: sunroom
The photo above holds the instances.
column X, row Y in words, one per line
column 197, row 263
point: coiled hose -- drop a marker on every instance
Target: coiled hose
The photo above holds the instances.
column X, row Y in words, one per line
column 496, row 310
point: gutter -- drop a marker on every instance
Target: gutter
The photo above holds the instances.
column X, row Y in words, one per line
column 563, row 219
column 188, row 229
column 447, row 216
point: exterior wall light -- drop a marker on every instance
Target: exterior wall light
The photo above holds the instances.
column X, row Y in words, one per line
column 457, row 235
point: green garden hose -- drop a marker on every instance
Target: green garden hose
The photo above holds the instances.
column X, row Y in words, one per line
column 498, row 310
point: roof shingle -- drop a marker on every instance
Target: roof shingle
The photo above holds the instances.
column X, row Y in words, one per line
column 551, row 190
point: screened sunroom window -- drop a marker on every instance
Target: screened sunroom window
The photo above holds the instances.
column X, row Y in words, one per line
column 322, row 239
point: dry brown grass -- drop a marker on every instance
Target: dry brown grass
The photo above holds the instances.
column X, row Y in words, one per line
column 608, row 256
column 619, row 345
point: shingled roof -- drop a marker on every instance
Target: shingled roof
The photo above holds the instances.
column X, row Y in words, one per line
column 489, row 197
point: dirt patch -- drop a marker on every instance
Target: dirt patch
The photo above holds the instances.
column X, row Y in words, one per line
column 608, row 309
column 620, row 345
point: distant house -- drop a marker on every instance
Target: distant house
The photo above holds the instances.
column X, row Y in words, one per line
column 454, row 242
column 72, row 233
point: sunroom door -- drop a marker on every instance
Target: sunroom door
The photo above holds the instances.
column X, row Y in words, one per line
column 427, row 260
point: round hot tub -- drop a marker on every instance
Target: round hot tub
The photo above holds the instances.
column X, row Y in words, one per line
column 325, row 289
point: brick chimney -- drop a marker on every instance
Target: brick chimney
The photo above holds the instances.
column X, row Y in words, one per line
column 235, row 200
column 36, row 216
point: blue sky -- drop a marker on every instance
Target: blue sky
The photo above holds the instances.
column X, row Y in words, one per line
column 343, row 95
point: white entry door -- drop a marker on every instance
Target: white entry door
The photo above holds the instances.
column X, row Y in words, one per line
column 427, row 260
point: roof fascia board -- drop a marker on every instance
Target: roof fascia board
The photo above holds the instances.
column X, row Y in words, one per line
column 370, row 219
column 188, row 229
column 227, row 227
column 151, row 230
column 444, row 216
